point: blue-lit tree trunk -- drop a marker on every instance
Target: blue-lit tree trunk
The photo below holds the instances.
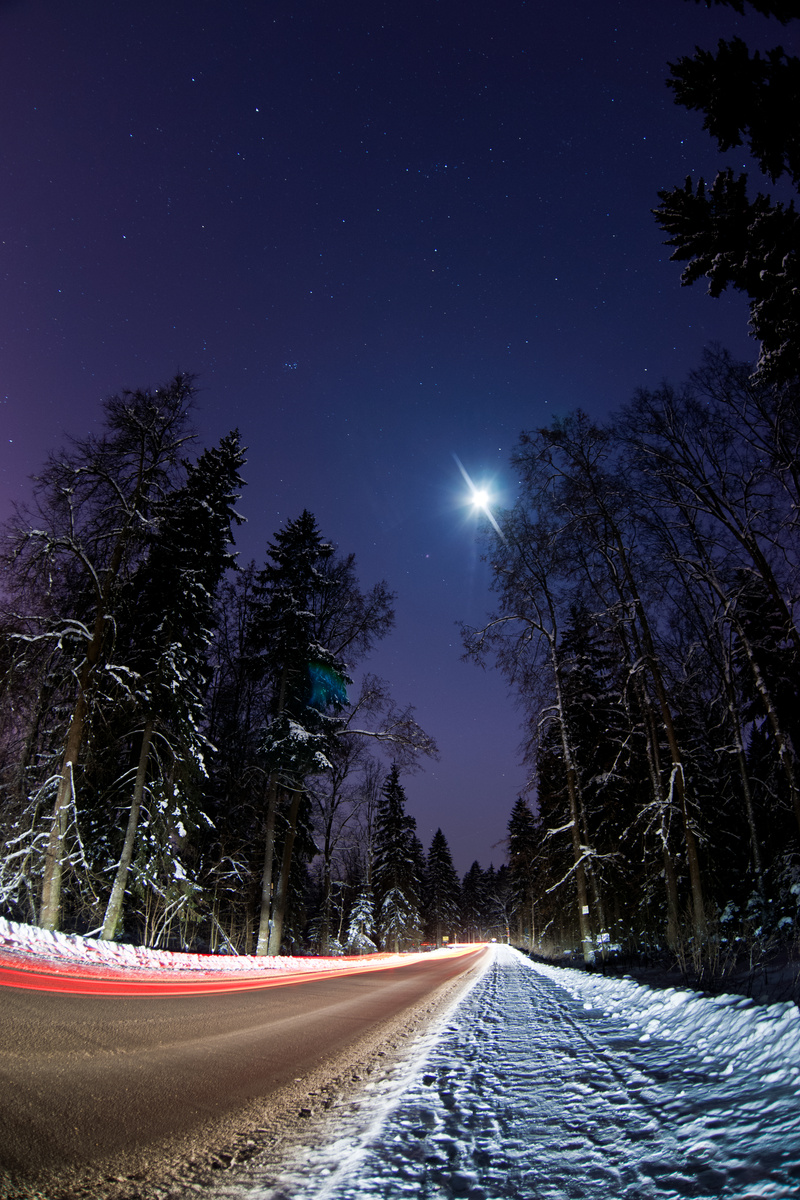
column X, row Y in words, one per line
column 292, row 589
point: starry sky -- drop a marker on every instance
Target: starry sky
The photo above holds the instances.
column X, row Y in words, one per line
column 382, row 234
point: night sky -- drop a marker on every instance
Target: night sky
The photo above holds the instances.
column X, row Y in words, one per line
column 381, row 234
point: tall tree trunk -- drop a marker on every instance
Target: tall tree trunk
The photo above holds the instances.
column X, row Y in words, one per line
column 262, row 946
column 282, row 890
column 671, row 887
column 654, row 767
column 591, row 874
column 327, row 893
column 786, row 752
column 116, row 900
column 50, row 907
column 577, row 848
column 744, row 774
column 670, row 878
column 677, row 778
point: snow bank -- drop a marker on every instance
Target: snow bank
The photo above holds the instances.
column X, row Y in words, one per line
column 71, row 949
column 549, row 1083
column 766, row 1036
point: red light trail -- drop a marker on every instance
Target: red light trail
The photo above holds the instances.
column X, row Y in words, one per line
column 74, row 979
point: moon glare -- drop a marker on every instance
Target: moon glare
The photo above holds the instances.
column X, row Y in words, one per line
column 481, row 498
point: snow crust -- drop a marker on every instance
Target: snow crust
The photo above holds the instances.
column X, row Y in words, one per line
column 541, row 1083
column 69, row 949
column 747, row 1036
column 548, row 1083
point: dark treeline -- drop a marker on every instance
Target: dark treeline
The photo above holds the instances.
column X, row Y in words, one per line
column 646, row 583
column 185, row 759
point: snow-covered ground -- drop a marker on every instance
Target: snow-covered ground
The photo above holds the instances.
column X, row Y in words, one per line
column 69, row 950
column 540, row 1084
column 548, row 1083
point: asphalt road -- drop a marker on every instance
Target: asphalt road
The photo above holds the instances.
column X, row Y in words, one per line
column 85, row 1078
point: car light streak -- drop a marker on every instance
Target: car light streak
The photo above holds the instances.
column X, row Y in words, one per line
column 35, row 977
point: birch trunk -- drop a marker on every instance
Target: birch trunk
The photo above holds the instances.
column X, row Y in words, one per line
column 50, row 909
column 577, row 848
column 116, row 900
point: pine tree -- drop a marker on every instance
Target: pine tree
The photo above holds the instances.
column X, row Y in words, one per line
column 473, row 904
column 361, row 926
column 236, row 714
column 499, row 902
column 752, row 245
column 299, row 736
column 395, row 867
column 442, row 892
column 167, row 620
column 522, row 845
column 314, row 624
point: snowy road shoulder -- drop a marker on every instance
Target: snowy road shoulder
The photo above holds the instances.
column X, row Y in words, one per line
column 745, row 1035
column 70, row 952
column 549, row 1083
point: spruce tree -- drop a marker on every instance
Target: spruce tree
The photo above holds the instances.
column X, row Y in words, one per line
column 307, row 686
column 473, row 904
column 732, row 239
column 522, row 844
column 165, row 629
column 499, row 902
column 442, row 892
column 395, row 870
column 361, row 926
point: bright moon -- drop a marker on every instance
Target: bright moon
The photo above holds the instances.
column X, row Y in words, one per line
column 481, row 498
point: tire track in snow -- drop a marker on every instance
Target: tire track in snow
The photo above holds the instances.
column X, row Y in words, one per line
column 532, row 1091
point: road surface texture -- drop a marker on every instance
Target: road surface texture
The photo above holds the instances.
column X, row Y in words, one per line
column 146, row 1096
column 546, row 1084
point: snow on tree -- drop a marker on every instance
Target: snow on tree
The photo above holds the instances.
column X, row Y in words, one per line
column 89, row 525
column 395, row 871
column 312, row 624
column 361, row 926
column 167, row 620
column 298, row 737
